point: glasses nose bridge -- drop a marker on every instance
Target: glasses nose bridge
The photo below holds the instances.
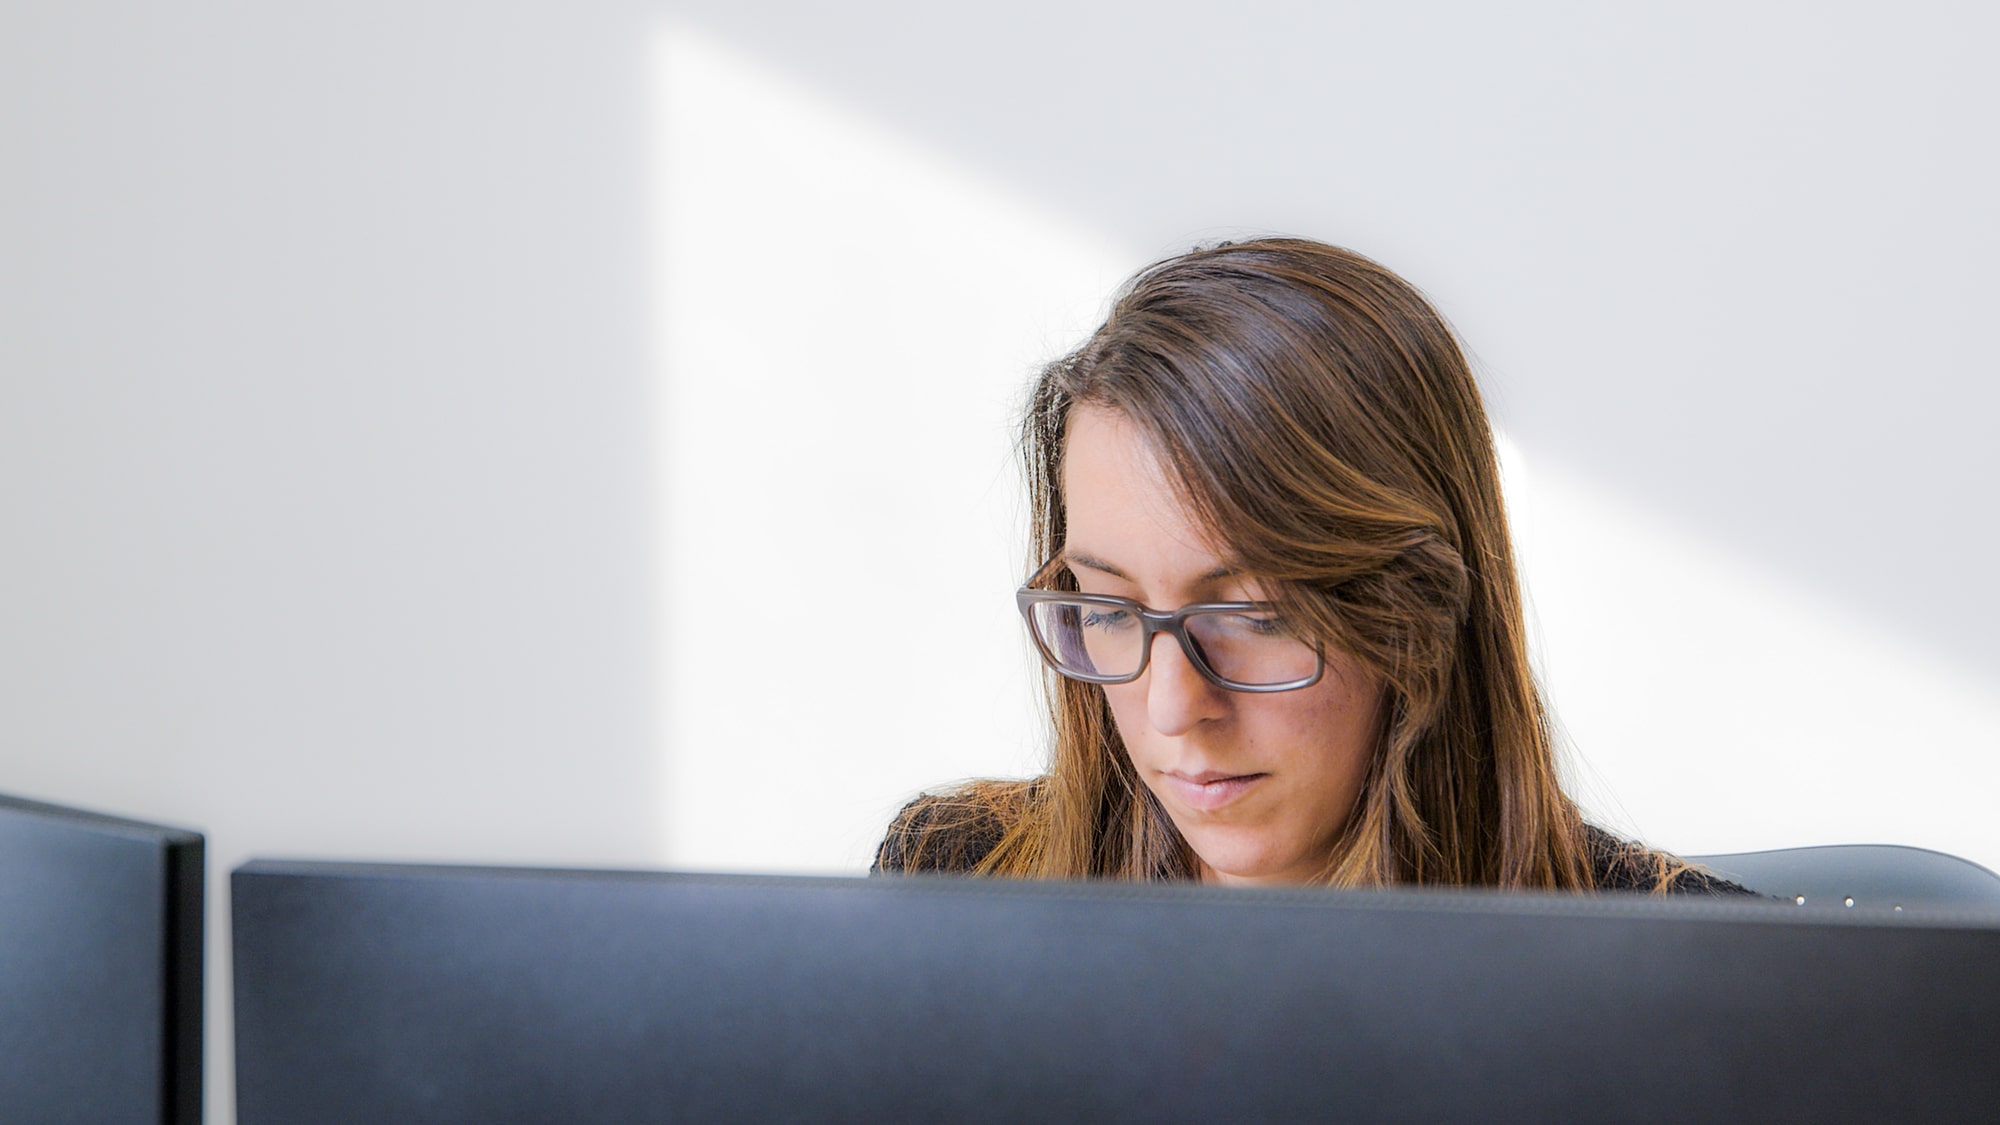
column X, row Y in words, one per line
column 1174, row 624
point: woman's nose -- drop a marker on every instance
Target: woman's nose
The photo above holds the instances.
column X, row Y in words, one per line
column 1177, row 696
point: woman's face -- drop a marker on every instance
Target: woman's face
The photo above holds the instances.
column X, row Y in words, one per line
column 1259, row 784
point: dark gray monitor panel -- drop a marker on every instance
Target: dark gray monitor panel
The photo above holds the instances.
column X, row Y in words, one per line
column 100, row 967
column 394, row 994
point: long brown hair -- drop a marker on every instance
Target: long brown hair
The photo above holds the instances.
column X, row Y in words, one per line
column 1315, row 412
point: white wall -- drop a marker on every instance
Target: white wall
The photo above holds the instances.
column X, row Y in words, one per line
column 325, row 418
column 394, row 397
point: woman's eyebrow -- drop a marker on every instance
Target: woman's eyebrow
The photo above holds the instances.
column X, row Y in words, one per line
column 1079, row 558
column 1092, row 562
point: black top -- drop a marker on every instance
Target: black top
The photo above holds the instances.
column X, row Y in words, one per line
column 949, row 847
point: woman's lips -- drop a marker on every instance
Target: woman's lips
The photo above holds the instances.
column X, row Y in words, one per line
column 1209, row 790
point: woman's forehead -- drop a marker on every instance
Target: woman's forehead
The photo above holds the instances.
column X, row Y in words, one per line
column 1122, row 514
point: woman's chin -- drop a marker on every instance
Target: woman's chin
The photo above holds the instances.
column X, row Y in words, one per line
column 1248, row 862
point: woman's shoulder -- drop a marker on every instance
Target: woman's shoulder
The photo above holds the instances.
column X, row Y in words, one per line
column 953, row 831
column 1624, row 865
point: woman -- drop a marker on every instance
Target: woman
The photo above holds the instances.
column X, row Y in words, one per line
column 1276, row 593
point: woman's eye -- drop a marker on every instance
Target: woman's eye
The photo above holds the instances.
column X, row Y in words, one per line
column 1106, row 619
column 1262, row 626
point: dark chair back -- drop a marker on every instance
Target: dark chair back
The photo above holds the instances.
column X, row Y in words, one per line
column 1862, row 877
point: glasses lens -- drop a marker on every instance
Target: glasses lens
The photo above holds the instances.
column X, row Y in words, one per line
column 1251, row 647
column 1087, row 638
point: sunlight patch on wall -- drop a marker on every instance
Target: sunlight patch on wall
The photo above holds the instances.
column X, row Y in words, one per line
column 1713, row 708
column 848, row 324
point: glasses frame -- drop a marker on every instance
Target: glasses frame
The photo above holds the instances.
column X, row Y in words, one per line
column 1153, row 622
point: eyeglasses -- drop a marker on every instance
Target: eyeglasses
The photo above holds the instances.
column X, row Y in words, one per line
column 1242, row 646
